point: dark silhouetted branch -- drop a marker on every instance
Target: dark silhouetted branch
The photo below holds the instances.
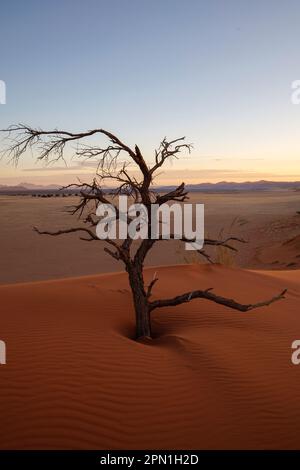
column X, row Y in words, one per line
column 208, row 295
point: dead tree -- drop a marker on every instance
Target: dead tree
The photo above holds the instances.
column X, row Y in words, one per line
column 114, row 164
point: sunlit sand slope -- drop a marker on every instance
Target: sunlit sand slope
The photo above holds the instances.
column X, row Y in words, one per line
column 211, row 378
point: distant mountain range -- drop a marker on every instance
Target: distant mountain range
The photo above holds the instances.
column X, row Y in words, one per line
column 222, row 186
column 244, row 186
column 26, row 186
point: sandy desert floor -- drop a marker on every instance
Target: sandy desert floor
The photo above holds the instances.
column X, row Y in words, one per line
column 267, row 220
column 211, row 378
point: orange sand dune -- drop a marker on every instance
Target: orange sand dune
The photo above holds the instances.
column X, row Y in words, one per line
column 212, row 378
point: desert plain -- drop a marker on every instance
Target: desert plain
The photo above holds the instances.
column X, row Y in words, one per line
column 268, row 221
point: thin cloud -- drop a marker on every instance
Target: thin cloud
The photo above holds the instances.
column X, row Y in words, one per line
column 54, row 168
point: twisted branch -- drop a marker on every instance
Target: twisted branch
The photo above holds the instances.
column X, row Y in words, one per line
column 207, row 294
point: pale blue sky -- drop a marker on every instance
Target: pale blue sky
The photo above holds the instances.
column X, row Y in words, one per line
column 217, row 71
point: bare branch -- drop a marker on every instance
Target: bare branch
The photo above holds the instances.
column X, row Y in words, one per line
column 207, row 294
column 167, row 150
column 205, row 255
column 151, row 285
column 179, row 194
column 209, row 241
column 67, row 230
column 114, row 254
column 52, row 143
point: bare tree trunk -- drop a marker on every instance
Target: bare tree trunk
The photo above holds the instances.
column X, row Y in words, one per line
column 140, row 300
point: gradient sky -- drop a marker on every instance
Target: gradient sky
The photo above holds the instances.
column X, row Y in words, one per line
column 218, row 72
